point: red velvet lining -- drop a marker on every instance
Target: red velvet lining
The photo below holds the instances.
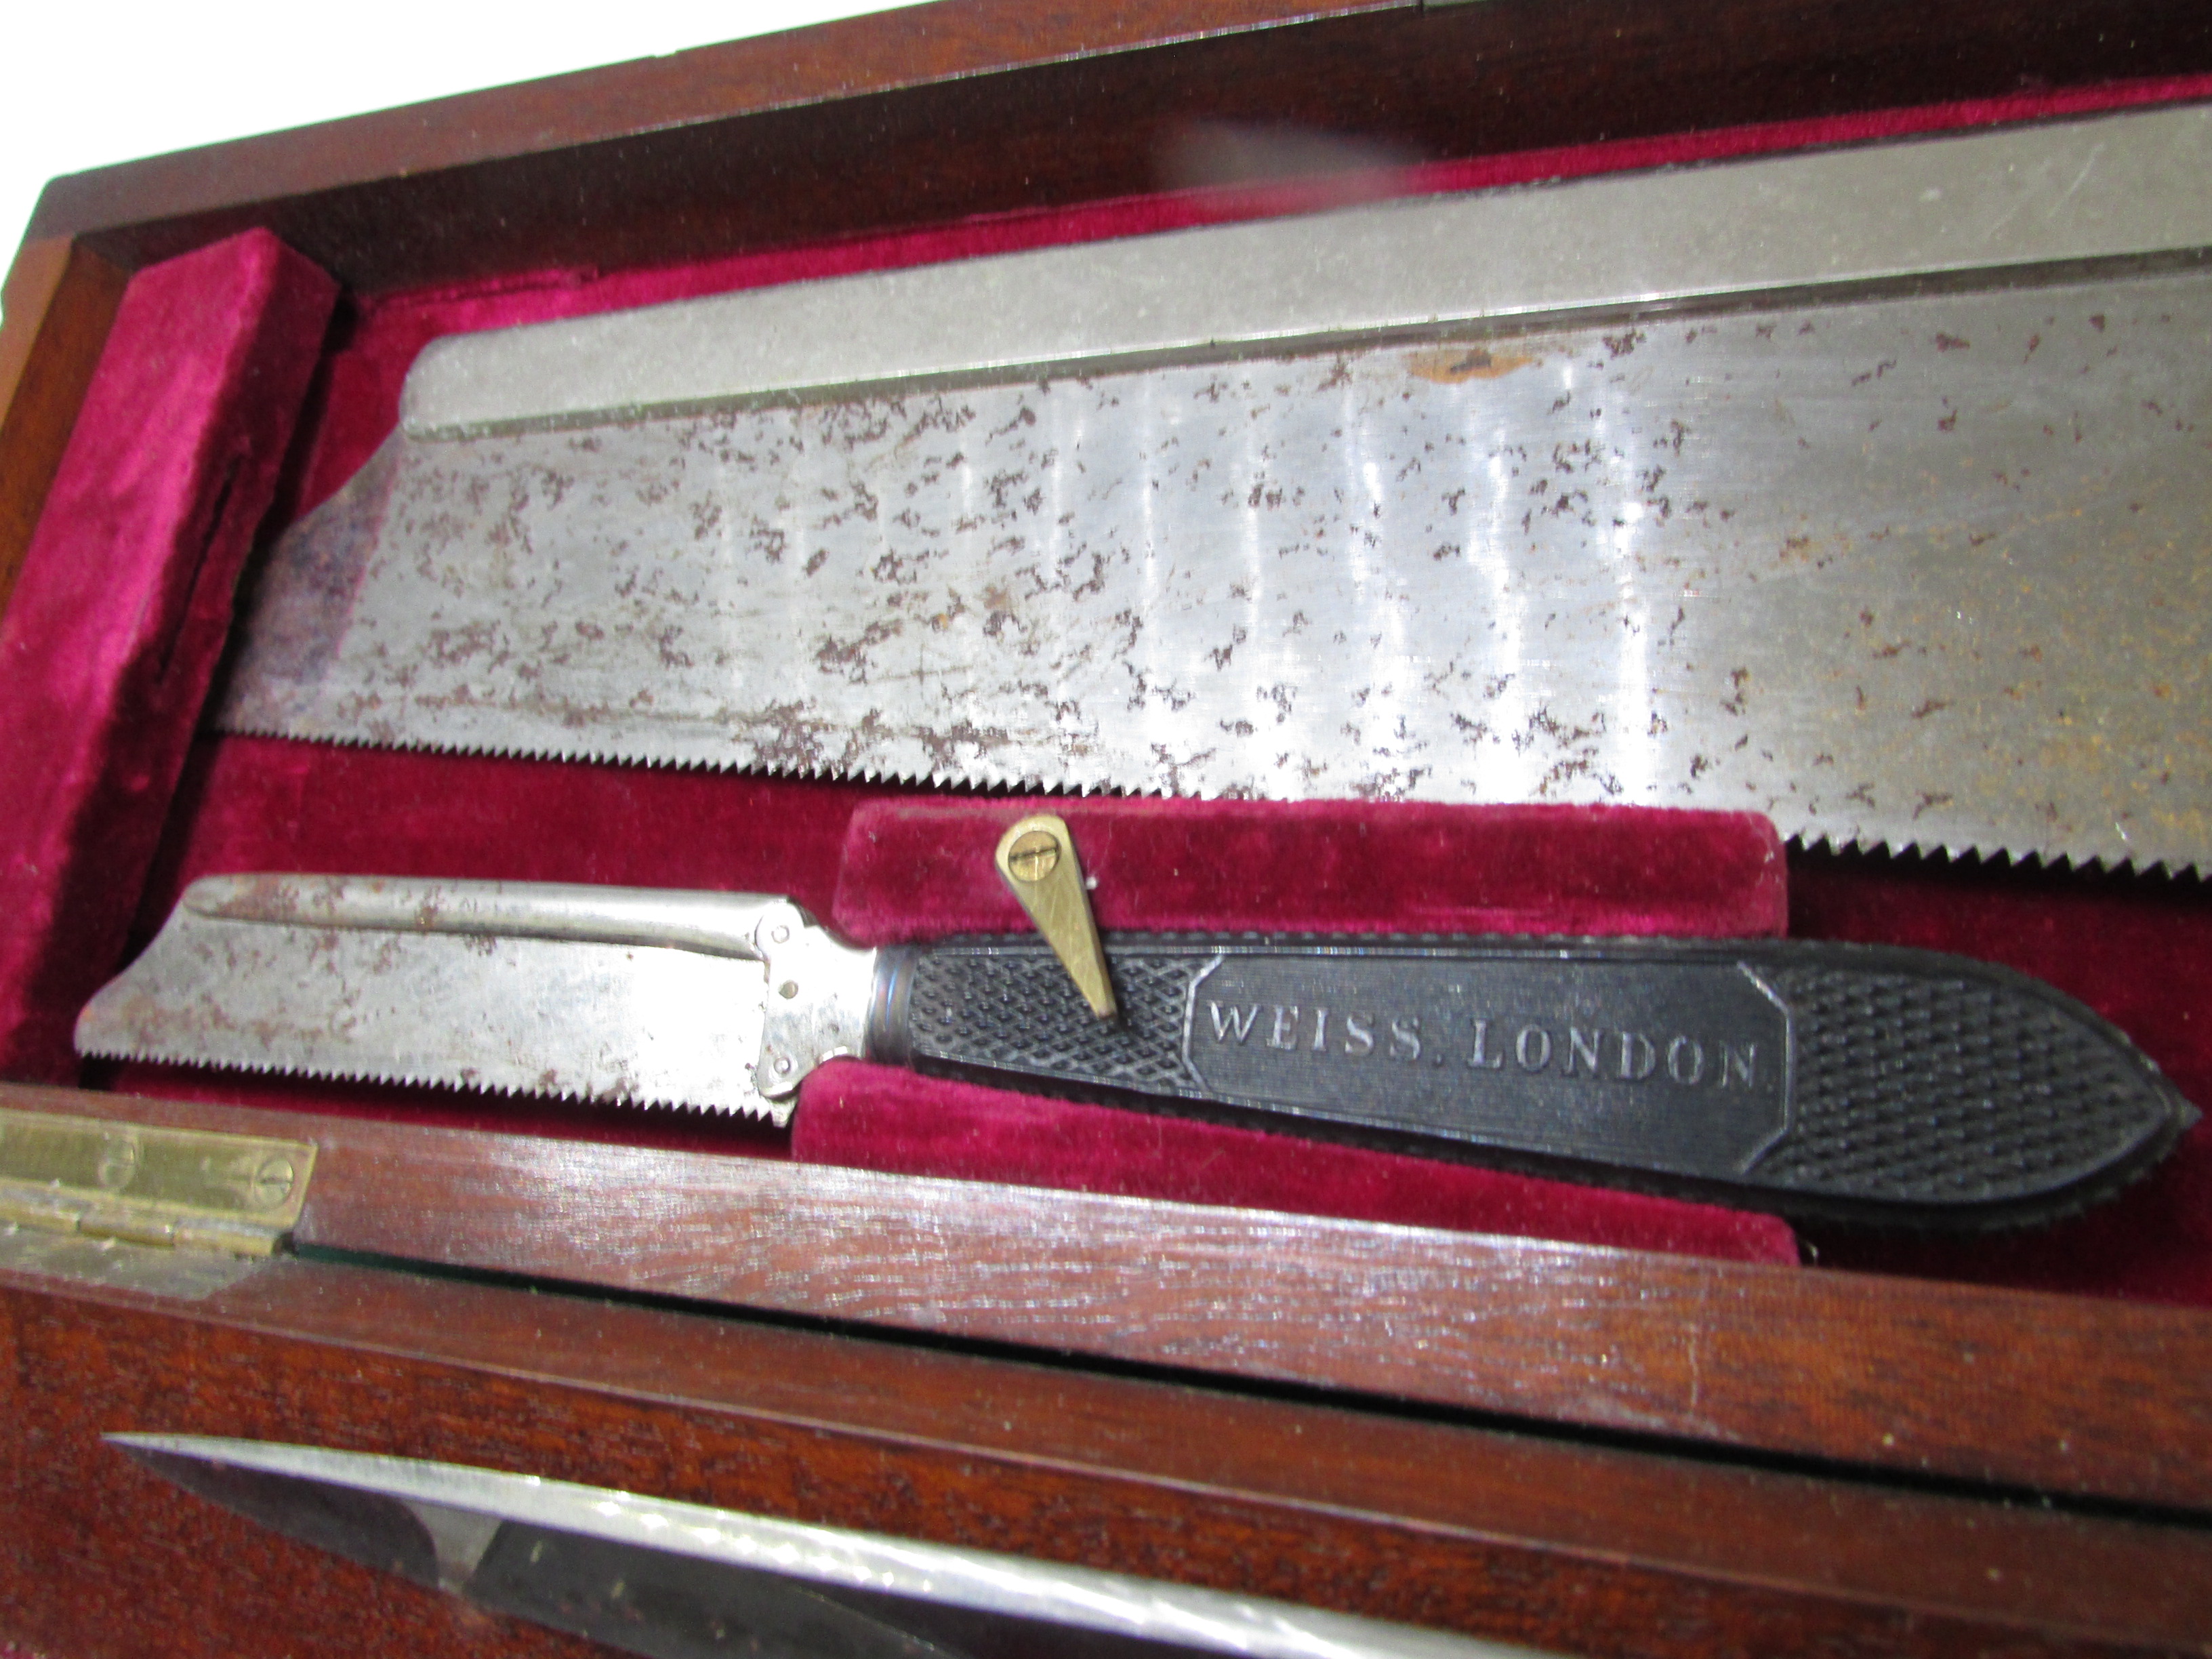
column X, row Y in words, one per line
column 257, row 804
column 266, row 804
column 916, row 869
column 874, row 1117
column 121, row 605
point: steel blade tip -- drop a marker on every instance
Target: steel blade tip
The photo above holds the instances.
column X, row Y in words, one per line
column 205, row 1448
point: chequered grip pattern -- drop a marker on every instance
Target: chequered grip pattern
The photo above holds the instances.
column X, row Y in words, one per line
column 1009, row 1006
column 1925, row 1089
column 1916, row 1090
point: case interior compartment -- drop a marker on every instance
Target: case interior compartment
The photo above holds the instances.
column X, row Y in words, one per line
column 2127, row 944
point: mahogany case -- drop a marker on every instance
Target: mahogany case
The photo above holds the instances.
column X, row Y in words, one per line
column 1611, row 1427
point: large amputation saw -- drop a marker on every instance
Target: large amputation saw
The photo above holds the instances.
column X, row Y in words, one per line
column 1867, row 489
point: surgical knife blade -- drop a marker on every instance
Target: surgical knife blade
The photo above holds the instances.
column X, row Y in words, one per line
column 1814, row 1079
column 688, row 1581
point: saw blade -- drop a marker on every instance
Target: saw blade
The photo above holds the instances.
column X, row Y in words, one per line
column 1922, row 571
column 383, row 997
column 1780, row 486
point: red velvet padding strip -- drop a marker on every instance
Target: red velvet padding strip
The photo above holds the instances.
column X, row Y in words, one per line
column 919, row 869
column 119, row 615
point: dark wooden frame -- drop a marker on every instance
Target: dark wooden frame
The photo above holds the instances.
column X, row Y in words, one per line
column 1862, row 1387
column 1585, row 1548
column 2000, row 1389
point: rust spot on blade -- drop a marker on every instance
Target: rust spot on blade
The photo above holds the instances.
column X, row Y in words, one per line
column 1450, row 365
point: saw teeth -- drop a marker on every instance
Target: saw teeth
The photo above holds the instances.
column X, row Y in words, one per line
column 989, row 777
column 406, row 1080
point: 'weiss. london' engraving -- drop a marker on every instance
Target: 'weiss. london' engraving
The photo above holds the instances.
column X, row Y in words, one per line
column 1582, row 1054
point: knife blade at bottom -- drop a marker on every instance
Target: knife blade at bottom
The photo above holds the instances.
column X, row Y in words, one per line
column 1840, row 1081
column 685, row 1581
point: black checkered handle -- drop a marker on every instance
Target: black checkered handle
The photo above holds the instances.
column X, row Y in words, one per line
column 1816, row 1079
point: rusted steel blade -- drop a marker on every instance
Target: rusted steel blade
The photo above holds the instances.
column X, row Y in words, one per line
column 1912, row 570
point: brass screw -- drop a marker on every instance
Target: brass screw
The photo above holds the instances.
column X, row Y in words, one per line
column 272, row 1183
column 1034, row 855
column 118, row 1163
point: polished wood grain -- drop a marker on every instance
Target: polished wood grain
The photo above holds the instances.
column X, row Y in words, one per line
column 2009, row 1388
column 61, row 299
column 989, row 107
column 1532, row 1540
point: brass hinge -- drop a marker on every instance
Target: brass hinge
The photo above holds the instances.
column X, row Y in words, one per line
column 183, row 1189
